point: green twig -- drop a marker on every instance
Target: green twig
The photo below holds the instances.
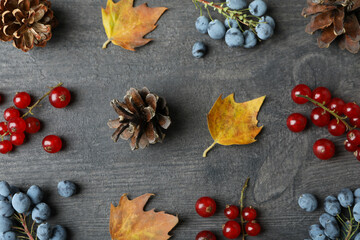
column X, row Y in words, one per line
column 241, row 202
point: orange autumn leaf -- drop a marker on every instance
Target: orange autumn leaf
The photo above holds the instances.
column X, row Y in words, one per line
column 232, row 123
column 129, row 221
column 126, row 25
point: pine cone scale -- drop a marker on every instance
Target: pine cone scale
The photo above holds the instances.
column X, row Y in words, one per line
column 326, row 38
column 142, row 118
column 352, row 28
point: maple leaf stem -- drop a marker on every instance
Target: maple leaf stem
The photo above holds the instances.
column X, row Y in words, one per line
column 241, row 203
column 106, row 43
column 208, row 149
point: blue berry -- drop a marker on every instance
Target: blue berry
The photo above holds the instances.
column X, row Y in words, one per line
column 346, row 197
column 6, row 208
column 4, row 189
column 234, row 38
column 59, row 233
column 199, row 50
column 258, row 8
column 356, row 212
column 236, row 4
column 326, row 218
column 316, row 233
column 357, row 200
column 264, row 31
column 202, row 24
column 5, row 224
column 216, row 30
column 9, row 236
column 13, row 190
column 357, row 193
column 269, row 20
column 66, row 188
column 35, row 194
column 43, row 231
column 250, row 39
column 41, row 212
column 332, row 230
column 357, row 237
column 21, row 202
column 308, row 202
column 231, row 23
column 332, row 205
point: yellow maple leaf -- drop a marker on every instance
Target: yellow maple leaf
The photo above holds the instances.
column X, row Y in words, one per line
column 129, row 221
column 126, row 25
column 232, row 123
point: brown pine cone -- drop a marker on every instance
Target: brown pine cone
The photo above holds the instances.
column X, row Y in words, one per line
column 26, row 22
column 143, row 117
column 335, row 18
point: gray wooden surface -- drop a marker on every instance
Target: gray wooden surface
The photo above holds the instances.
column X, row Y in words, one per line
column 281, row 164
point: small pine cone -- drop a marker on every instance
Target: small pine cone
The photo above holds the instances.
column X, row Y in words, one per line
column 26, row 22
column 336, row 19
column 143, row 117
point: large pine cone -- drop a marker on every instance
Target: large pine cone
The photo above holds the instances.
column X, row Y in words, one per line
column 26, row 22
column 143, row 117
column 336, row 18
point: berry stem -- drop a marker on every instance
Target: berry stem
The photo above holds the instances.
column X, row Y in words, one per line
column 106, row 43
column 21, row 218
column 342, row 119
column 239, row 15
column 241, row 202
column 209, row 148
column 38, row 101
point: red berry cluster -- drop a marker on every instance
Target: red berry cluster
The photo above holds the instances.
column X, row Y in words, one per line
column 206, row 207
column 331, row 113
column 16, row 125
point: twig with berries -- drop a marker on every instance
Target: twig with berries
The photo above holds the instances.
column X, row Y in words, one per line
column 16, row 125
column 332, row 113
column 26, row 228
column 242, row 16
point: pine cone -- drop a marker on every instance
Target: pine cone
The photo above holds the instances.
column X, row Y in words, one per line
column 143, row 117
column 26, row 22
column 336, row 18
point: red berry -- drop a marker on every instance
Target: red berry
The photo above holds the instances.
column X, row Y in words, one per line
column 350, row 147
column 296, row 122
column 205, row 207
column 357, row 153
column 249, row 213
column 336, row 127
column 355, row 121
column 324, row 149
column 32, row 125
column 352, row 110
column 11, row 113
column 321, row 95
column 52, row 144
column 22, row 100
column 300, row 89
column 17, row 139
column 231, row 229
column 205, row 235
column 60, row 97
column 5, row 146
column 320, row 117
column 3, row 128
column 252, row 228
column 354, row 137
column 231, row 211
column 16, row 125
column 337, row 105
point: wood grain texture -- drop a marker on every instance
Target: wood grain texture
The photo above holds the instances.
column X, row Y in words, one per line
column 281, row 164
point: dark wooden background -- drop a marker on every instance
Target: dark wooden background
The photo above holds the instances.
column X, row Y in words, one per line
column 281, row 164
